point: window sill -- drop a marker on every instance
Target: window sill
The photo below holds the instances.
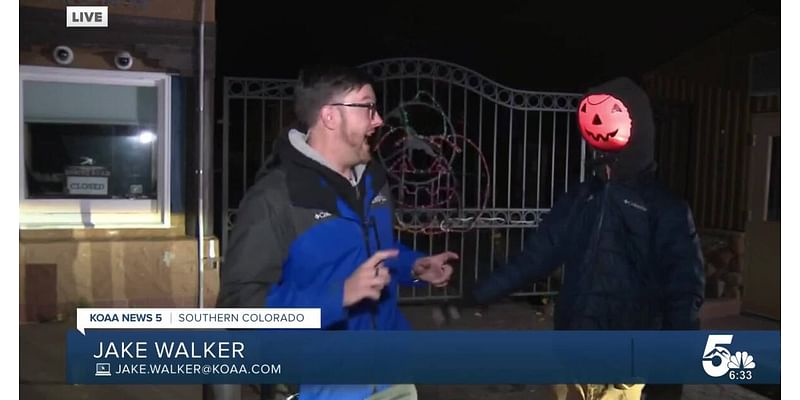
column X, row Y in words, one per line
column 176, row 229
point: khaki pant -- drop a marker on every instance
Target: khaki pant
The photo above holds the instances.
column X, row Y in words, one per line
column 396, row 392
column 598, row 392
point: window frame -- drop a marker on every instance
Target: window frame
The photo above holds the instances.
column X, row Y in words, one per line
column 99, row 213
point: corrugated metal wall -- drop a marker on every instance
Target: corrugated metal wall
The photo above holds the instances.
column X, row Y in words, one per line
column 703, row 146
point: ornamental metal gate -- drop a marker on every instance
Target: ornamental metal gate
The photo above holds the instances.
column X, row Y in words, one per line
column 473, row 164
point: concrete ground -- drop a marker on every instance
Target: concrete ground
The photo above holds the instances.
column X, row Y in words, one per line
column 43, row 360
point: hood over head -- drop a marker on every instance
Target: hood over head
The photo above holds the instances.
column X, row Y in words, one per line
column 636, row 155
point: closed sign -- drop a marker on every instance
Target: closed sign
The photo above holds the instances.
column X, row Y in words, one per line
column 91, row 185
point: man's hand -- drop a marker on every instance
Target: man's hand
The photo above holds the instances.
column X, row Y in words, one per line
column 367, row 281
column 435, row 269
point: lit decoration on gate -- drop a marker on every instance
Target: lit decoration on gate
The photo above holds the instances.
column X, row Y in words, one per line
column 429, row 164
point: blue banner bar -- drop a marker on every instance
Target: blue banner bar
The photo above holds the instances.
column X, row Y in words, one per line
column 423, row 357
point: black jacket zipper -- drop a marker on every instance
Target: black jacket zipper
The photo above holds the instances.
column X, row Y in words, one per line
column 365, row 231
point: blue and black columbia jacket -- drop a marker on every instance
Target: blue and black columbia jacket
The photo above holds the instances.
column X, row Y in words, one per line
column 629, row 247
column 300, row 232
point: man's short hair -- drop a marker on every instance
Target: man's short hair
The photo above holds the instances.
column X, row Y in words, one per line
column 318, row 85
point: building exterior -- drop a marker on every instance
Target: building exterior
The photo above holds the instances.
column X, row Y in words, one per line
column 717, row 110
column 109, row 149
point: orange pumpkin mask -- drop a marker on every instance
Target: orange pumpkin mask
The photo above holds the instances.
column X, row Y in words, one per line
column 604, row 122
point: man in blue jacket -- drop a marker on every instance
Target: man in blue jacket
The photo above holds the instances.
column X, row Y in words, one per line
column 315, row 230
column 631, row 255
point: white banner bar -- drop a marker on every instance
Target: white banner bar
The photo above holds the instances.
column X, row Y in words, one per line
column 198, row 318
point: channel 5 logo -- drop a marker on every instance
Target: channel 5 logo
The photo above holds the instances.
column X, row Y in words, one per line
column 719, row 361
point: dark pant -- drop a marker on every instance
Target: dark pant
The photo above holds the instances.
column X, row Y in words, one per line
column 663, row 392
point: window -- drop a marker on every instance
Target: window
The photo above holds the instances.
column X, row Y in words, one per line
column 94, row 148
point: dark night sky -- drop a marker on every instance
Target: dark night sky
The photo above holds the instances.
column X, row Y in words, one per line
column 556, row 46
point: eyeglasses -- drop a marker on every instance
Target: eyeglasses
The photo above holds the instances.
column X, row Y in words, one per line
column 372, row 107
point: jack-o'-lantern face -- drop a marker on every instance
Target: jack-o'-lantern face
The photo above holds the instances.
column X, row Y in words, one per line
column 604, row 122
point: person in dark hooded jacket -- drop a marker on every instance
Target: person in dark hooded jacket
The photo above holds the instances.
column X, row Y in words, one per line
column 631, row 256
